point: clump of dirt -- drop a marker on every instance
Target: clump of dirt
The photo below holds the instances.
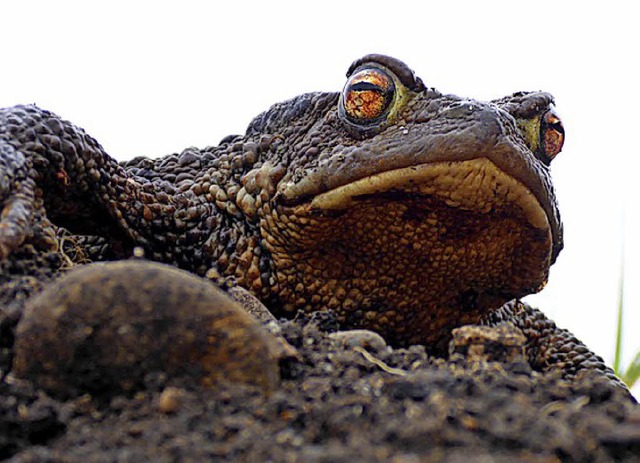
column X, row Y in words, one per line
column 336, row 402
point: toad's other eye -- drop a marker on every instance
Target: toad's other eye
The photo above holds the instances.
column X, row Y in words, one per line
column 551, row 135
column 367, row 96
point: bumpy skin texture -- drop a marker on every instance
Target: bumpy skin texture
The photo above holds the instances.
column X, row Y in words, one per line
column 428, row 217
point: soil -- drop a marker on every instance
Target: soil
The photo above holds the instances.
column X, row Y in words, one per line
column 335, row 403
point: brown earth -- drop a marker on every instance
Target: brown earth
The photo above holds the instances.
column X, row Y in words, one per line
column 335, row 403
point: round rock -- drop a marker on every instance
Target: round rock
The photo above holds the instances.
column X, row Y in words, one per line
column 103, row 327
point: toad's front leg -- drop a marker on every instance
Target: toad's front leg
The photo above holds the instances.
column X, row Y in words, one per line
column 49, row 164
column 550, row 348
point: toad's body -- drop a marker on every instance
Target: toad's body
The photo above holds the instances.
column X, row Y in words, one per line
column 406, row 211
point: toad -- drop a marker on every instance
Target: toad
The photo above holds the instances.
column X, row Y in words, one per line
column 405, row 211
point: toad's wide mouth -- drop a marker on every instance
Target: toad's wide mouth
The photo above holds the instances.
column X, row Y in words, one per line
column 414, row 251
column 474, row 185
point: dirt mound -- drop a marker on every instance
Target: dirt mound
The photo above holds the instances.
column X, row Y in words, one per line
column 336, row 403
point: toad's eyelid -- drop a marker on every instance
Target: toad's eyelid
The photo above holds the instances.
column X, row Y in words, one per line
column 557, row 125
column 364, row 86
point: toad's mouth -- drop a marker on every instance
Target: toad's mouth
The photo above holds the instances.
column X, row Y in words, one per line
column 474, row 185
column 412, row 251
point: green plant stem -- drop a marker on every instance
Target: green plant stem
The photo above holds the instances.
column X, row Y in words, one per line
column 618, row 354
column 633, row 372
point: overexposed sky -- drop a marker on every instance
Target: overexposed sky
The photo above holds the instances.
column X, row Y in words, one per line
column 152, row 77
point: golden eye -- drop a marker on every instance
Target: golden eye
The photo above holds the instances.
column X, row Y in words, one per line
column 551, row 135
column 367, row 96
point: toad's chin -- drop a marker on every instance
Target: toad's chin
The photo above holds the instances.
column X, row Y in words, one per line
column 412, row 252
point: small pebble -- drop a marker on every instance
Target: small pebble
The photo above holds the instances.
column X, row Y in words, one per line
column 171, row 400
column 359, row 338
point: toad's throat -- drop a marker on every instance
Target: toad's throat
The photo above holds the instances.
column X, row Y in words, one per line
column 475, row 185
column 412, row 252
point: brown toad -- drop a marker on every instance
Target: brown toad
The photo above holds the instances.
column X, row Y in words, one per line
column 406, row 211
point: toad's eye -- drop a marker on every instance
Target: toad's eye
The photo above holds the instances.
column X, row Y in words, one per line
column 551, row 135
column 367, row 96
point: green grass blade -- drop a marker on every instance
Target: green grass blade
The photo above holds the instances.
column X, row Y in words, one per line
column 633, row 372
column 618, row 354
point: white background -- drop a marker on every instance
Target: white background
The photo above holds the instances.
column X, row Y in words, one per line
column 150, row 78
